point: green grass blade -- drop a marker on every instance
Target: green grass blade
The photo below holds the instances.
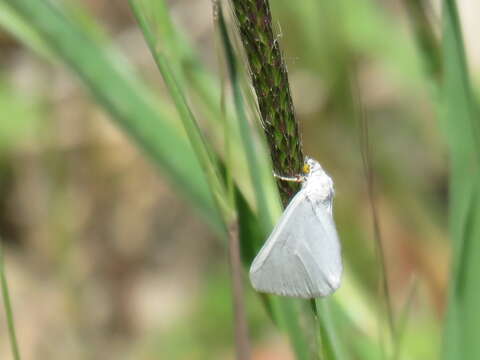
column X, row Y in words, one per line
column 9, row 19
column 460, row 124
column 130, row 103
column 202, row 87
column 328, row 332
column 249, row 142
column 166, row 34
column 202, row 151
column 8, row 308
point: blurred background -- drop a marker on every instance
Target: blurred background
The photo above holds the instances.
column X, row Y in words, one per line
column 107, row 260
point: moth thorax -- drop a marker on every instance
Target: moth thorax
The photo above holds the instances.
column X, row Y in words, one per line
column 319, row 186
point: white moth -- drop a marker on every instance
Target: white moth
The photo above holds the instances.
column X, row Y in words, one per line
column 302, row 256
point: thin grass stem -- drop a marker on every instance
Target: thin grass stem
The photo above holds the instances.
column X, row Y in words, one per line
column 202, row 150
column 242, row 342
column 370, row 180
column 8, row 308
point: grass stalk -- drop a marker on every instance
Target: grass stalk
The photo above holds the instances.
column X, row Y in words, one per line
column 202, row 151
column 269, row 77
column 8, row 308
column 370, row 182
column 242, row 343
column 331, row 343
column 242, row 339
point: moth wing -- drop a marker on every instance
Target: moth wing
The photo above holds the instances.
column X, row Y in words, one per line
column 302, row 256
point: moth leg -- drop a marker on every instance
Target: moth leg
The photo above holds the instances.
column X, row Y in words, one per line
column 297, row 178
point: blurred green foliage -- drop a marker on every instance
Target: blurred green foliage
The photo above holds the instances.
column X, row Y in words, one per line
column 328, row 46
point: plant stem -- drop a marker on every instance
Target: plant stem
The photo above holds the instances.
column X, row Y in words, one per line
column 200, row 146
column 369, row 175
column 242, row 343
column 268, row 73
column 8, row 308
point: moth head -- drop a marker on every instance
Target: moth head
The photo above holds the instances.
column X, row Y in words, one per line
column 311, row 166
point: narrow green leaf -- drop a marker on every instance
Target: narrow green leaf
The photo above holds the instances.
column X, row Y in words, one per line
column 249, row 141
column 10, row 20
column 8, row 307
column 201, row 85
column 202, row 151
column 459, row 121
column 331, row 343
